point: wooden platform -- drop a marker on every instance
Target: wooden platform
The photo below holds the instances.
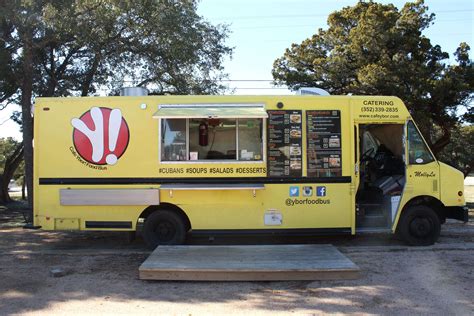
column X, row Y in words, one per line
column 247, row 263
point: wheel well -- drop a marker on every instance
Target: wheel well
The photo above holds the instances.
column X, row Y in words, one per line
column 165, row 206
column 433, row 203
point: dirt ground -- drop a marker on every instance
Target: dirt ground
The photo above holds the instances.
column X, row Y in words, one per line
column 102, row 277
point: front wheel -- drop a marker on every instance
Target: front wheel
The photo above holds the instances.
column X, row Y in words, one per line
column 164, row 227
column 419, row 226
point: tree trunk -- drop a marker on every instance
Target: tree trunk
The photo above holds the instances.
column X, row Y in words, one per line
column 86, row 84
column 4, row 196
column 27, row 119
column 11, row 164
column 441, row 142
column 23, row 189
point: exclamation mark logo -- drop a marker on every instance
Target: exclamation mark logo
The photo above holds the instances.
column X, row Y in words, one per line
column 101, row 135
column 115, row 121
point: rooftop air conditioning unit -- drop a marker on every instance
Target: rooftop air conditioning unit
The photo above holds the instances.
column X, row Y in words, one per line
column 133, row 92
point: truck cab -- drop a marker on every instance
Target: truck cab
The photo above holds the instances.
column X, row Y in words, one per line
column 402, row 186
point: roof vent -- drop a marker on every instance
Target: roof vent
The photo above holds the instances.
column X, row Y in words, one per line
column 312, row 91
column 133, row 92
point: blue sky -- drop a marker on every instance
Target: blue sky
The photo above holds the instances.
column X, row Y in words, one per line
column 261, row 30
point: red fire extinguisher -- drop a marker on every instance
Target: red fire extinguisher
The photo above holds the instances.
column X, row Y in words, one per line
column 203, row 134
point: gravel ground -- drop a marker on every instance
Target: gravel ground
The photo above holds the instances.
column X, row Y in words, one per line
column 102, row 277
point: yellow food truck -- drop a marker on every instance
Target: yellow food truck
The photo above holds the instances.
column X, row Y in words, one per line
column 173, row 165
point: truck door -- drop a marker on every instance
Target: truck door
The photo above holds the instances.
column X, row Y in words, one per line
column 356, row 171
column 422, row 168
column 380, row 174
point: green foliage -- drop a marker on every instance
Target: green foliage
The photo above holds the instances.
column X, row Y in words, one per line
column 7, row 147
column 80, row 46
column 376, row 49
column 11, row 165
column 460, row 151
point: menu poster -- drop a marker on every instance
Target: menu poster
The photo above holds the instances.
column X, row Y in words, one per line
column 284, row 152
column 324, row 143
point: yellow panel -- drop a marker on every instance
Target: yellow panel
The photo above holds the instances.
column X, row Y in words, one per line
column 452, row 182
column 48, row 208
column 379, row 109
column 241, row 210
column 66, row 223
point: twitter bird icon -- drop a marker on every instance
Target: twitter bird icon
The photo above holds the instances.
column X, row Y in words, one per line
column 294, row 191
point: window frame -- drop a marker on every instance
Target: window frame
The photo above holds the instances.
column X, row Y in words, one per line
column 218, row 161
column 408, row 145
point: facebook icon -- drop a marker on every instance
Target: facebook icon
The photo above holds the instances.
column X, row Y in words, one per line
column 320, row 191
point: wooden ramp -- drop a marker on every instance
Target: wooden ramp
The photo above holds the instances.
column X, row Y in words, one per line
column 247, row 263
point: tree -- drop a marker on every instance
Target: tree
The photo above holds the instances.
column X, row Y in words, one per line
column 459, row 152
column 11, row 155
column 77, row 47
column 376, row 49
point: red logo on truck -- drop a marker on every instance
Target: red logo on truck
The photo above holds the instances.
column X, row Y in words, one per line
column 100, row 135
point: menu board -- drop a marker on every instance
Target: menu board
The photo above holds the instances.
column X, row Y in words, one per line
column 284, row 143
column 323, row 134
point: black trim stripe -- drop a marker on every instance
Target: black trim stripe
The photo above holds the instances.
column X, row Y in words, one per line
column 260, row 180
column 283, row 231
column 117, row 224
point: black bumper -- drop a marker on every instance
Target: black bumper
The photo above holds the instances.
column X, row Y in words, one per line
column 457, row 212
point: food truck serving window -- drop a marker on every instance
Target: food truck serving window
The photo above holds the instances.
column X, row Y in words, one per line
column 200, row 133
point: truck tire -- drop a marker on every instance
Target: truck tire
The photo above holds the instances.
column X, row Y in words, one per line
column 419, row 226
column 164, row 227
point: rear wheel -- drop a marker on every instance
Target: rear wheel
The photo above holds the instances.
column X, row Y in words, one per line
column 164, row 227
column 419, row 226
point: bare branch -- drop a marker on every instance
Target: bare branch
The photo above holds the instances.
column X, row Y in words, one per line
column 4, row 106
